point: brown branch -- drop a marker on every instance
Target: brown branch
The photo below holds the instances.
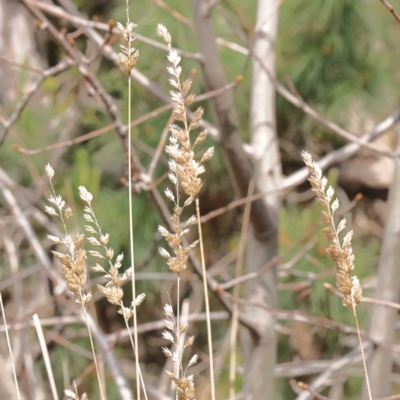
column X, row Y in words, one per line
column 304, row 386
column 227, row 120
column 108, row 128
column 175, row 14
column 326, row 376
column 369, row 300
column 300, row 103
column 82, row 65
column 296, row 315
column 339, row 156
column 21, row 65
column 391, row 9
column 93, row 134
column 60, row 13
column 60, row 67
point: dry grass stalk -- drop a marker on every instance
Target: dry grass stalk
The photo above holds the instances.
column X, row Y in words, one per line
column 9, row 348
column 341, row 253
column 128, row 57
column 45, row 354
column 73, row 261
column 185, row 172
column 112, row 290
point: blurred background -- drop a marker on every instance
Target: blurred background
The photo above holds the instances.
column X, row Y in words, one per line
column 340, row 57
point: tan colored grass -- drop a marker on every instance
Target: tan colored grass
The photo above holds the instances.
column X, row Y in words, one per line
column 128, row 57
column 112, row 290
column 184, row 383
column 184, row 173
column 340, row 252
column 73, row 261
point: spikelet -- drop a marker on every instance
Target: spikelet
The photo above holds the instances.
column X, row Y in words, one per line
column 128, row 55
column 184, row 384
column 74, row 260
column 113, row 288
column 340, row 252
column 181, row 150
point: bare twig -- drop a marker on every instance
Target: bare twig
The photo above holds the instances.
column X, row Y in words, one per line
column 336, row 366
column 306, row 387
column 60, row 13
column 21, row 65
column 174, row 13
column 391, row 9
column 60, row 67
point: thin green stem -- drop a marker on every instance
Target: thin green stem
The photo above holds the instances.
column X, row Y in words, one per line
column 207, row 303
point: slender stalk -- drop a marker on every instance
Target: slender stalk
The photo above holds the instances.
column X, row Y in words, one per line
column 94, row 354
column 134, row 350
column 131, row 239
column 131, row 216
column 178, row 347
column 46, row 358
column 9, row 348
column 203, row 265
column 235, row 309
column 362, row 353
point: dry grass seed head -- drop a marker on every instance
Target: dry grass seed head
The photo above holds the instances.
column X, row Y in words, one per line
column 73, row 262
column 341, row 253
column 185, row 170
column 112, row 290
column 128, row 55
column 184, row 384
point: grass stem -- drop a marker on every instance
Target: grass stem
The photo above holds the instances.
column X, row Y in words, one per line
column 362, row 353
column 46, row 358
column 9, row 348
column 207, row 303
column 94, row 354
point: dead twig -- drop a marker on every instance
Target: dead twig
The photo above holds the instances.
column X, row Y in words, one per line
column 63, row 65
column 391, row 9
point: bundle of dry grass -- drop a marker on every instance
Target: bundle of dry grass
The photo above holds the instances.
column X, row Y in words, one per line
column 73, row 262
column 340, row 253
